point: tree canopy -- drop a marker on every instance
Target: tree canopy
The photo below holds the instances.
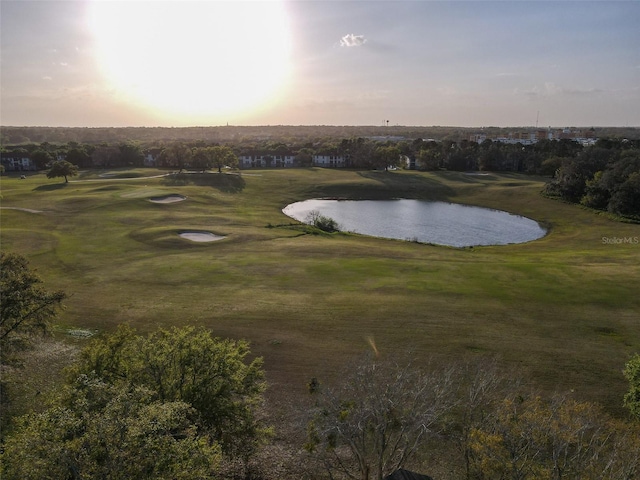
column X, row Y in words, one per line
column 169, row 405
column 377, row 419
column 99, row 430
column 216, row 156
column 62, row 168
column 529, row 437
column 188, row 365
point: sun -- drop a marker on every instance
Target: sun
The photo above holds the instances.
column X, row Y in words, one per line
column 193, row 60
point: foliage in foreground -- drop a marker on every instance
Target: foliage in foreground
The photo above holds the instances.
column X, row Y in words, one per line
column 531, row 437
column 378, row 418
column 98, row 430
column 632, row 374
column 382, row 415
column 189, row 365
column 168, row 405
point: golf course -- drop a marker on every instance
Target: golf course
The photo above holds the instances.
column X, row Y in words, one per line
column 562, row 311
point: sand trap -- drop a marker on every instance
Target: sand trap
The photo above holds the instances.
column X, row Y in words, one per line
column 201, row 236
column 168, row 198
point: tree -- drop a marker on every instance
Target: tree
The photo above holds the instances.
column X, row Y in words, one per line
column 25, row 308
column 78, row 155
column 570, row 182
column 378, row 418
column 176, row 155
column 359, row 152
column 626, row 199
column 428, row 158
column 98, row 430
column 596, row 194
column 529, row 437
column 304, row 157
column 387, row 156
column 481, row 386
column 105, row 156
column 41, row 158
column 191, row 366
column 202, row 158
column 217, row 156
column 324, row 223
column 550, row 165
column 62, row 168
column 131, row 154
column 632, row 374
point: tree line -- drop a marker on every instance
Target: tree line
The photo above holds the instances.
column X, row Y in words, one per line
column 605, row 177
column 13, row 135
column 180, row 403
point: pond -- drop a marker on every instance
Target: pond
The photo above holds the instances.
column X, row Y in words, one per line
column 440, row 223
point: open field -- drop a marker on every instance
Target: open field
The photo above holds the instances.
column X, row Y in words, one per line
column 565, row 309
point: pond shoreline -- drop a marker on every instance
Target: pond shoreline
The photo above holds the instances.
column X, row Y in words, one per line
column 433, row 222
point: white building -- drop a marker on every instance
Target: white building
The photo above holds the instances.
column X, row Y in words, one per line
column 328, row 161
column 17, row 163
column 266, row 161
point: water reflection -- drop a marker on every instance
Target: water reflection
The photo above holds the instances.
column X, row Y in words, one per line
column 439, row 223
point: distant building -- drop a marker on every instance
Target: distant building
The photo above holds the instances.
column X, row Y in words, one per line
column 151, row 157
column 586, row 138
column 266, row 161
column 332, row 161
column 17, row 163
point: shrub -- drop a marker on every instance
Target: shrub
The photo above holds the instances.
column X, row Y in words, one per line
column 326, row 224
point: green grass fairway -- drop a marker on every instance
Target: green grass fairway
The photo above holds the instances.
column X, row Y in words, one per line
column 565, row 309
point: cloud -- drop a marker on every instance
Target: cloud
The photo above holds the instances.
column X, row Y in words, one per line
column 351, row 40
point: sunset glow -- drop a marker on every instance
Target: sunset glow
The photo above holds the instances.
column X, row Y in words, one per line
column 318, row 62
column 193, row 59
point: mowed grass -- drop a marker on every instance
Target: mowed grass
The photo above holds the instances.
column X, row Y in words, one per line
column 564, row 310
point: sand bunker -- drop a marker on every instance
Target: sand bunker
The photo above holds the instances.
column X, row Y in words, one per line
column 201, row 236
column 168, row 198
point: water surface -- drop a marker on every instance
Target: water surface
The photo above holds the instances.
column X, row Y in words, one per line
column 440, row 223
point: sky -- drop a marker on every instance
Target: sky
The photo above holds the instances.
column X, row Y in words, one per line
column 96, row 63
